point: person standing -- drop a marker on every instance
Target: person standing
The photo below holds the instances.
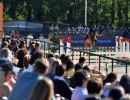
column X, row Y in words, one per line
column 41, row 38
column 29, row 38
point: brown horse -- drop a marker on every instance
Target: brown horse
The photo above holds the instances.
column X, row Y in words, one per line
column 90, row 40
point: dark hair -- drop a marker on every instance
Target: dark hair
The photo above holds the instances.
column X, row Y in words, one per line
column 94, row 86
column 20, row 55
column 111, row 77
column 41, row 65
column 77, row 67
column 125, row 83
column 22, row 44
column 70, row 65
column 37, row 44
column 5, row 43
column 92, row 30
column 36, row 55
column 62, row 58
column 50, row 55
column 81, row 59
column 116, row 93
column 60, row 70
column 87, row 68
column 66, row 59
column 79, row 76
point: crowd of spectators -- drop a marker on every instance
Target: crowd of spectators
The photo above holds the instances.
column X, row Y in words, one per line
column 26, row 73
column 83, row 30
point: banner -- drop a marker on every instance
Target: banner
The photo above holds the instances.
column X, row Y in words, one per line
column 102, row 41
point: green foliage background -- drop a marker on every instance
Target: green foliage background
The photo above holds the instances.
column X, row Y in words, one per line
column 100, row 12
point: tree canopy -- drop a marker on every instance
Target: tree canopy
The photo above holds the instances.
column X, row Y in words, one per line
column 100, row 12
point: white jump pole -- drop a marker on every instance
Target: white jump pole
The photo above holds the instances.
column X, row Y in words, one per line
column 61, row 48
column 127, row 49
column 123, row 47
column 68, row 51
column 120, row 47
column 117, row 47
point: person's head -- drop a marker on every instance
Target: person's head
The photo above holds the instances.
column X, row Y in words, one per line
column 52, row 68
column 26, row 60
column 69, row 65
column 111, row 78
column 13, row 44
column 81, row 78
column 22, row 44
column 6, row 53
column 7, row 68
column 38, row 45
column 4, row 44
column 66, row 59
column 43, row 90
column 87, row 68
column 81, row 60
column 50, row 55
column 36, row 55
column 21, row 53
column 95, row 86
column 116, row 93
column 125, row 83
column 32, row 46
column 60, row 70
column 62, row 57
column 41, row 66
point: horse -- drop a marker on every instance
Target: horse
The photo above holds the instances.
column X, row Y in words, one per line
column 90, row 40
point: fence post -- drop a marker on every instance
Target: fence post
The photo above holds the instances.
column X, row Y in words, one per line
column 99, row 62
column 112, row 65
column 80, row 53
column 88, row 58
column 44, row 48
column 72, row 55
column 126, row 67
column 59, row 50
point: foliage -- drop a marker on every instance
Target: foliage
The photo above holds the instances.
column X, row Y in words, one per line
column 100, row 12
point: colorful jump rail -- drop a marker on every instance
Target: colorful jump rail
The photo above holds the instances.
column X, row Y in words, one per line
column 123, row 48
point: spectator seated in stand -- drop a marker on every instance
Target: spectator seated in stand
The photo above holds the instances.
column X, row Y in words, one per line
column 116, row 93
column 81, row 78
column 94, row 87
column 80, row 64
column 43, row 90
column 60, row 85
column 27, row 80
column 6, row 75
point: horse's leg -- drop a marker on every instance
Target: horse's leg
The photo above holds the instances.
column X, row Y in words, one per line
column 86, row 44
column 91, row 45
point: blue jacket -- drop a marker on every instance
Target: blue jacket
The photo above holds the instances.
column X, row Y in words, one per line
column 24, row 86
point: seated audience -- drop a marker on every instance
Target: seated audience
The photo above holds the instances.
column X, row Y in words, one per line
column 27, row 80
column 60, row 85
column 109, row 83
column 20, row 55
column 80, row 64
column 94, row 87
column 34, row 57
column 26, row 61
column 70, row 69
column 4, row 44
column 43, row 90
column 81, row 78
column 6, row 86
column 51, row 70
column 125, row 83
column 116, row 93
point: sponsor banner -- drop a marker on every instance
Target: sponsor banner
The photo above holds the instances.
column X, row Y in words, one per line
column 102, row 41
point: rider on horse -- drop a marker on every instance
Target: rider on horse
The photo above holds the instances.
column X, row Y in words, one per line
column 92, row 35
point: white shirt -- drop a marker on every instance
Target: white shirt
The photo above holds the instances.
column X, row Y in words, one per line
column 79, row 94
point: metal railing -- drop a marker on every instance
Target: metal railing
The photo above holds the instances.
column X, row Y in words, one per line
column 85, row 52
